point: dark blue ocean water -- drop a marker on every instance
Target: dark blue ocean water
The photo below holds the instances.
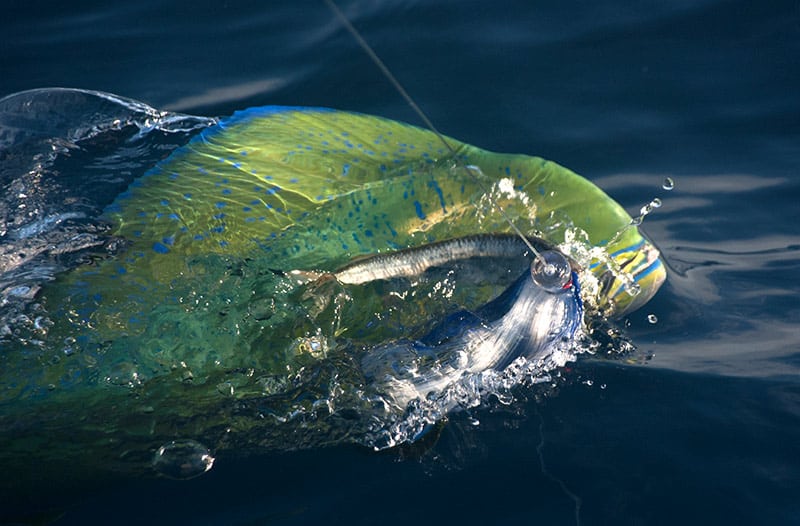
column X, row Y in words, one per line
column 701, row 425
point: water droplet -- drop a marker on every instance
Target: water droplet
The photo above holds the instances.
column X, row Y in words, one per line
column 124, row 374
column 182, row 459
column 652, row 318
column 655, row 203
column 632, row 288
column 668, row 184
column 226, row 388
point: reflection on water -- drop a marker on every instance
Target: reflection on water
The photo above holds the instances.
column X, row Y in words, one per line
column 712, row 235
column 232, row 93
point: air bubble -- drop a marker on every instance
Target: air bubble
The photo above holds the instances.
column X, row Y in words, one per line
column 652, row 318
column 182, row 459
column 668, row 184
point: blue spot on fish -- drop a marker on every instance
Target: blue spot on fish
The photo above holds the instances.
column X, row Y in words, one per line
column 435, row 186
column 418, row 208
column 160, row 248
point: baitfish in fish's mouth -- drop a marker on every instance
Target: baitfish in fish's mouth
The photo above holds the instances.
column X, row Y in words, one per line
column 536, row 318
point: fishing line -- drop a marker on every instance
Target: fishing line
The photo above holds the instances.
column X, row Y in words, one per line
column 421, row 114
column 576, row 500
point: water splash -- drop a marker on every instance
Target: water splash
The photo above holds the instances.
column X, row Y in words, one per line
column 421, row 415
column 645, row 211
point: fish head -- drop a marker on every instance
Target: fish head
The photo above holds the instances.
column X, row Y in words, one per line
column 635, row 273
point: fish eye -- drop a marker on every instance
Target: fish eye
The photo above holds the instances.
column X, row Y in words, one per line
column 551, row 271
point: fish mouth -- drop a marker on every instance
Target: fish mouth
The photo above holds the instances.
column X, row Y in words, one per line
column 643, row 274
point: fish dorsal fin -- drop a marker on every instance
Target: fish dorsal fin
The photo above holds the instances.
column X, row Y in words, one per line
column 325, row 185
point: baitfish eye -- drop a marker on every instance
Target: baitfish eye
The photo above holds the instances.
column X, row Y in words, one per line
column 551, row 271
